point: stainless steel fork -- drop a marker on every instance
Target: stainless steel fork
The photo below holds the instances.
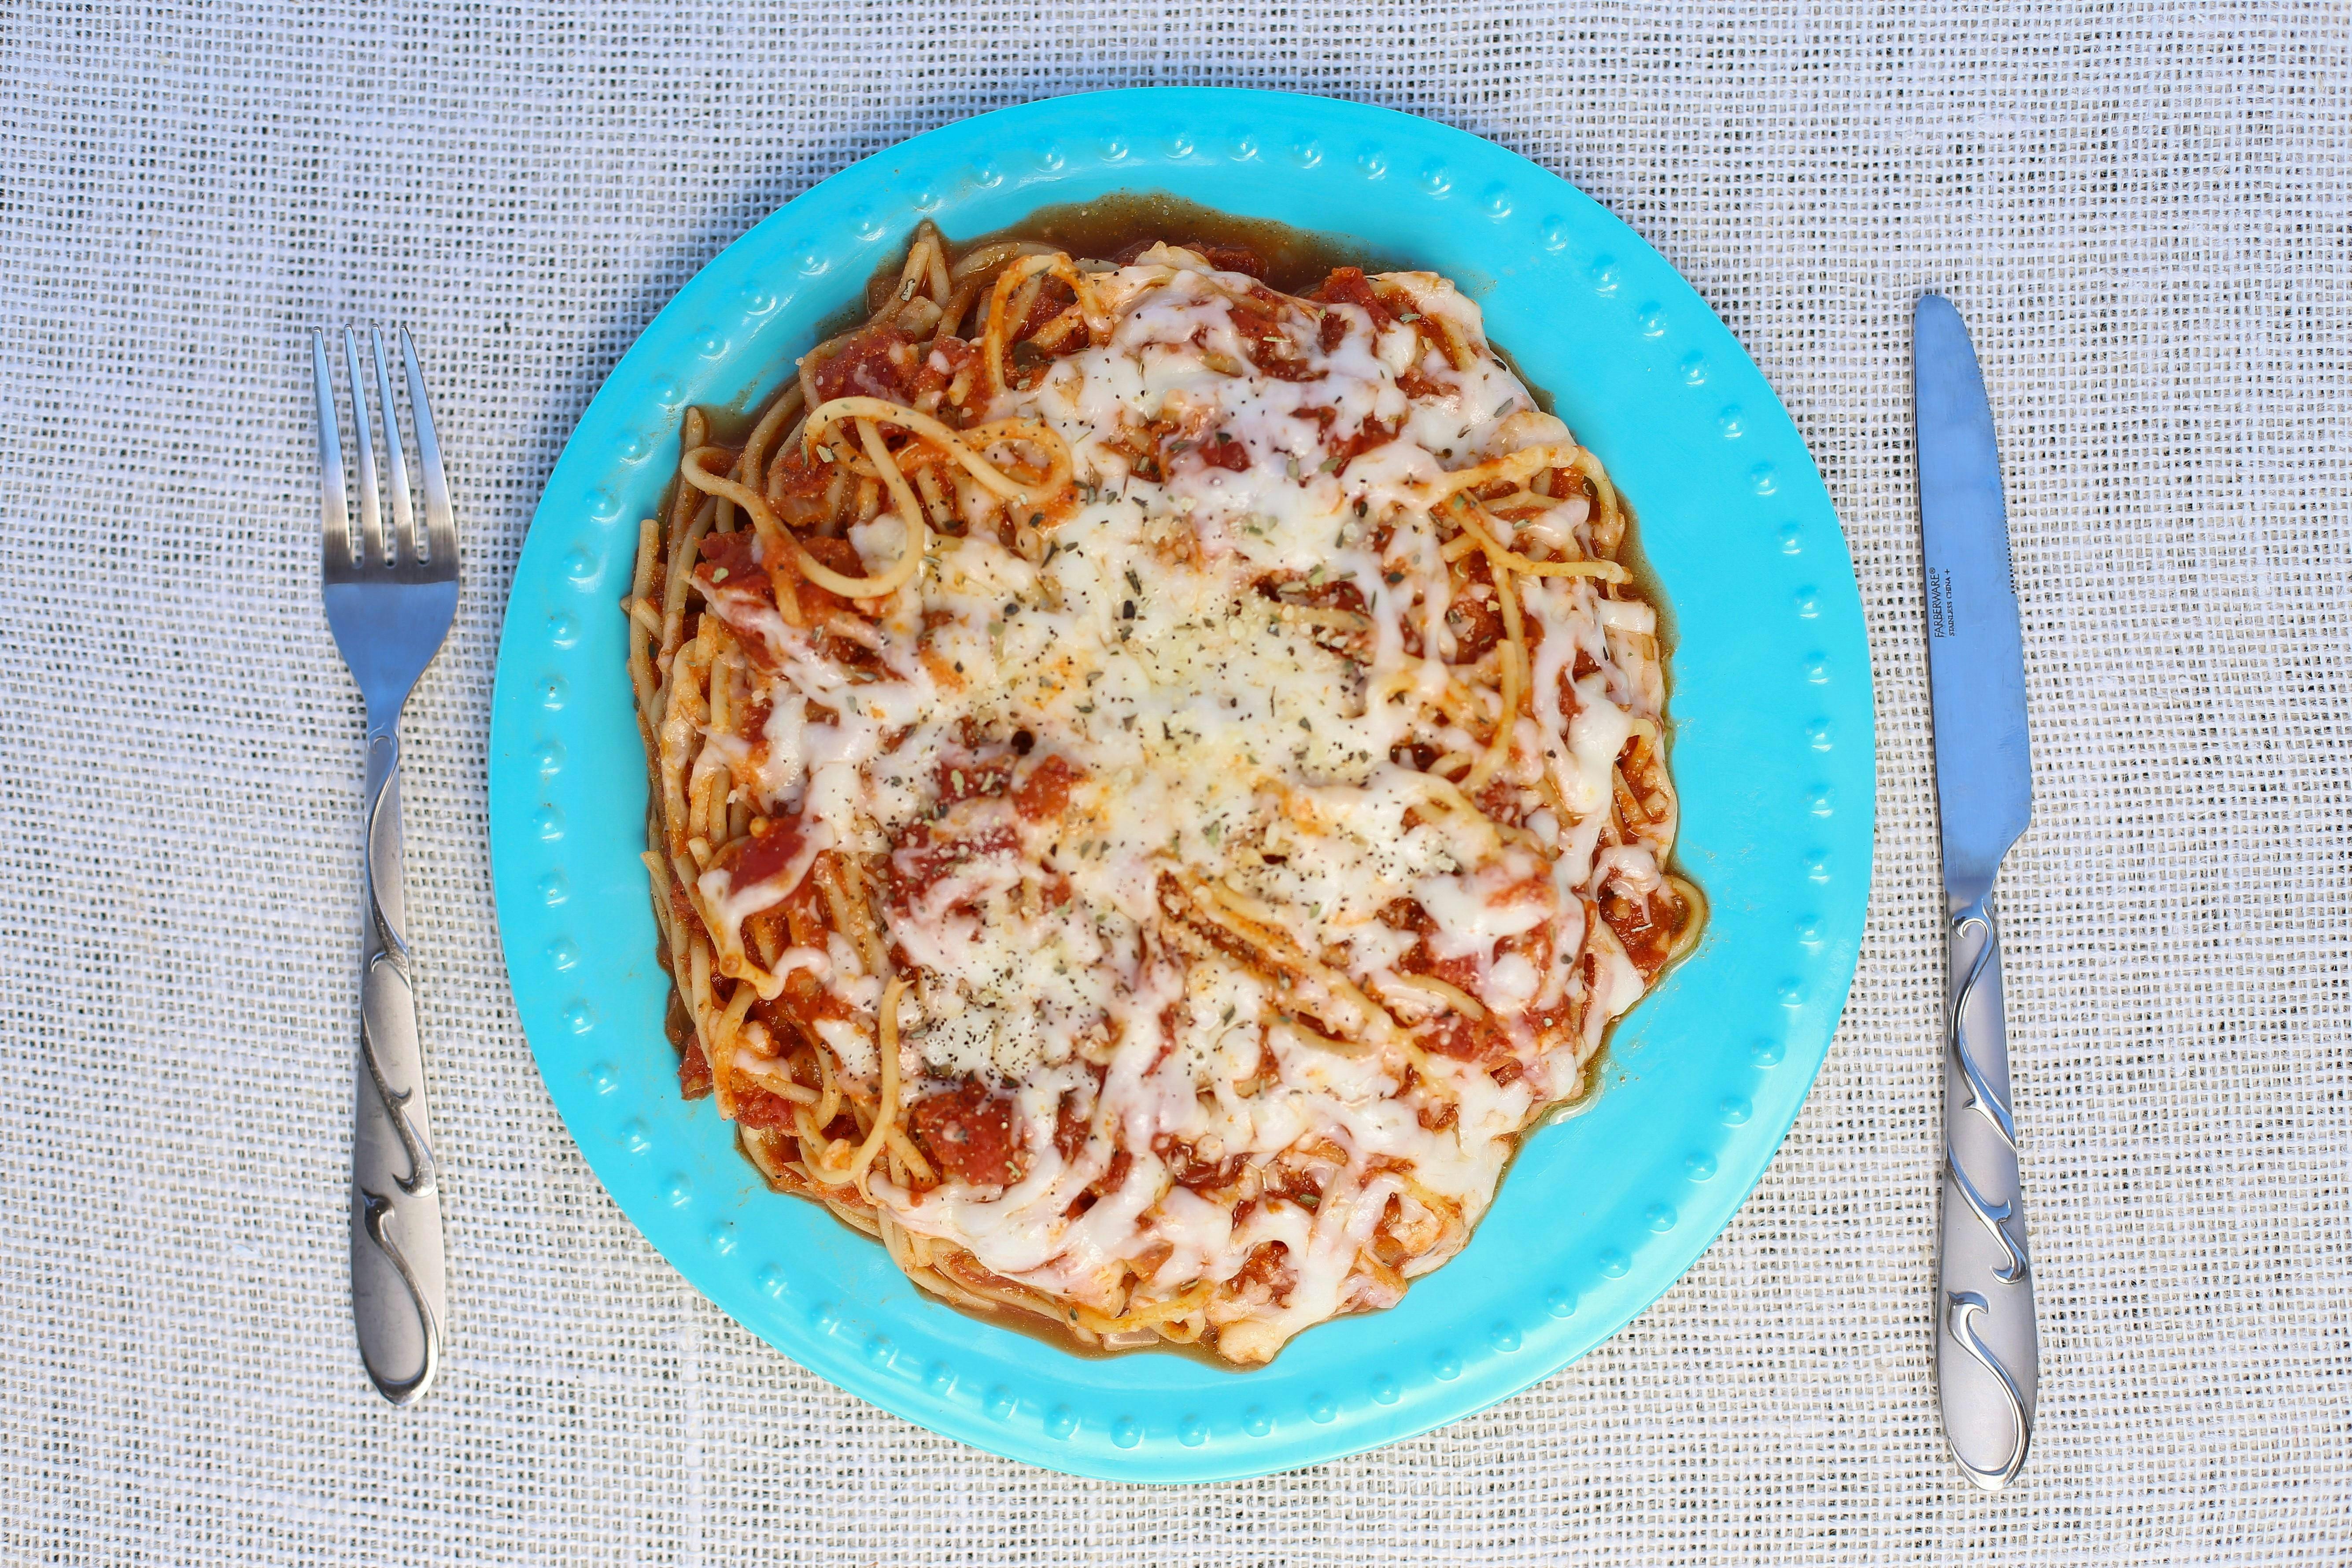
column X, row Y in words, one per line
column 390, row 593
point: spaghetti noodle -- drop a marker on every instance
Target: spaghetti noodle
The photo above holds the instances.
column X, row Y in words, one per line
column 1157, row 783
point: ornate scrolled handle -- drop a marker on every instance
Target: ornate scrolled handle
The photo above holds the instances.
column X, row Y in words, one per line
column 1986, row 1101
column 1996, row 1218
column 1960, row 1311
column 1988, row 1352
column 398, row 1285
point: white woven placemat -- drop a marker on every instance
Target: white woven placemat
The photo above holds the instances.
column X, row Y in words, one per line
column 2143, row 210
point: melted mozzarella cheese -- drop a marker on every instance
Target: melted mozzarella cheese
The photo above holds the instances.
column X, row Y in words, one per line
column 1243, row 737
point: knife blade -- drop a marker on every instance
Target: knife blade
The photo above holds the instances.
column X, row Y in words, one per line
column 1987, row 1351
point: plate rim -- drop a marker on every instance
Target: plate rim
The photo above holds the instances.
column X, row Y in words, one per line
column 1042, row 129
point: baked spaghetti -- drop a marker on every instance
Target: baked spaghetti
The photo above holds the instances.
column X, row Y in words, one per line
column 1157, row 783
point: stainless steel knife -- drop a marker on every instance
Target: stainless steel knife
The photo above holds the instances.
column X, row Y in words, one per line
column 1988, row 1352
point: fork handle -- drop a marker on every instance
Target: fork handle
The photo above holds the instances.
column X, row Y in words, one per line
column 1988, row 1353
column 398, row 1287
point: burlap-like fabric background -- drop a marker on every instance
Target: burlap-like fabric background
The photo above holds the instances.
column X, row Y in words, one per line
column 2143, row 210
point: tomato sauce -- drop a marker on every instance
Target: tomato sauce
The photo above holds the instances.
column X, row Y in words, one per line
column 967, row 1134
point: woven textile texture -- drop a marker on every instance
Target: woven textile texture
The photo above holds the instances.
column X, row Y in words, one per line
column 2143, row 211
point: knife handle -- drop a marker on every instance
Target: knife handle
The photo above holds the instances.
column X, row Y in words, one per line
column 398, row 1287
column 1988, row 1353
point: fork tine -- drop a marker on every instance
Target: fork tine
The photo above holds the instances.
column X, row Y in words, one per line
column 404, row 542
column 444, row 546
column 334, row 516
column 363, row 438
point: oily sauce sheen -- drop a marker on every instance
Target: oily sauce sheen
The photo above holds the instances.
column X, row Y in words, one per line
column 1291, row 259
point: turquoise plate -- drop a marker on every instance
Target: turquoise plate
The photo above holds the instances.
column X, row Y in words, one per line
column 1773, row 752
